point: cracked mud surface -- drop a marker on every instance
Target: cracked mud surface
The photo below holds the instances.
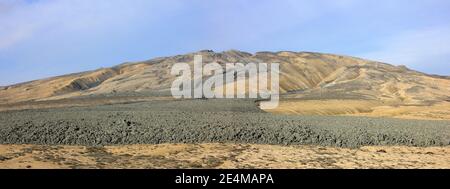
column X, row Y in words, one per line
column 209, row 121
column 214, row 134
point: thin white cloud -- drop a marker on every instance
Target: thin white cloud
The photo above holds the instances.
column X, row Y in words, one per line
column 426, row 50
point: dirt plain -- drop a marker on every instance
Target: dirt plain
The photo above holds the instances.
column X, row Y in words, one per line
column 335, row 112
column 214, row 133
column 368, row 108
column 222, row 156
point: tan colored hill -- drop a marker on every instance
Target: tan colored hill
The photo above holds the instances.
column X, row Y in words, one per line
column 310, row 83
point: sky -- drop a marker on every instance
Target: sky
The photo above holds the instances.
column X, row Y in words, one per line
column 44, row 38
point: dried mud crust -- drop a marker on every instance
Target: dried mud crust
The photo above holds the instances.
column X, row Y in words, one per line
column 209, row 121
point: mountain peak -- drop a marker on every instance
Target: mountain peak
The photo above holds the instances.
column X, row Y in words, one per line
column 206, row 51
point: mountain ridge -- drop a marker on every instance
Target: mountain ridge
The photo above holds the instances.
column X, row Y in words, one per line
column 200, row 51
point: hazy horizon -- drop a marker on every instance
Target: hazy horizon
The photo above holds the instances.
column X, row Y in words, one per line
column 45, row 38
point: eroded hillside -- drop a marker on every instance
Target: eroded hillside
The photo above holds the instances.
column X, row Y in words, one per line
column 310, row 83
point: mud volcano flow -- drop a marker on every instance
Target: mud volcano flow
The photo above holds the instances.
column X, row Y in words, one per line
column 195, row 121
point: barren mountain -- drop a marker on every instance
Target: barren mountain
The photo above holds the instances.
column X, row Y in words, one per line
column 310, row 83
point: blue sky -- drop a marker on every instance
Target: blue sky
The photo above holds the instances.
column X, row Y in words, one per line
column 43, row 38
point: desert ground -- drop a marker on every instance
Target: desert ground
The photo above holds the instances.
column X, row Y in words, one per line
column 223, row 156
column 335, row 112
column 368, row 108
column 167, row 133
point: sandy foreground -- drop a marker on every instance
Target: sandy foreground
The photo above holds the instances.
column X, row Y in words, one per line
column 216, row 155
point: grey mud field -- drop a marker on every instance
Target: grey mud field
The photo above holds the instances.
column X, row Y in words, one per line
column 209, row 121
